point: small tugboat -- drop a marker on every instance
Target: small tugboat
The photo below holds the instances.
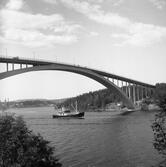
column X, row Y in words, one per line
column 66, row 113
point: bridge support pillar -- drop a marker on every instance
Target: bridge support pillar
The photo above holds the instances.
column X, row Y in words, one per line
column 122, row 85
column 152, row 91
column 129, row 90
column 134, row 96
column 138, row 96
column 113, row 80
column 13, row 66
column 20, row 66
column 126, row 89
column 7, row 67
column 142, row 92
column 146, row 90
column 149, row 92
column 117, row 82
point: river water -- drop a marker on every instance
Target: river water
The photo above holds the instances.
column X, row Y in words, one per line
column 103, row 139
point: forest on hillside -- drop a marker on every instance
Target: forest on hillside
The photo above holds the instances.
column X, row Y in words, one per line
column 92, row 100
column 99, row 99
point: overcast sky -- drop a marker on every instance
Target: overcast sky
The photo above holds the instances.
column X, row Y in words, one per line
column 125, row 37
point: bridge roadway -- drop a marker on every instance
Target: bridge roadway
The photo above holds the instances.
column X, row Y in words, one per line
column 38, row 62
column 128, row 96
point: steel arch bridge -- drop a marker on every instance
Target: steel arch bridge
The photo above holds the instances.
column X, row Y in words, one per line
column 127, row 89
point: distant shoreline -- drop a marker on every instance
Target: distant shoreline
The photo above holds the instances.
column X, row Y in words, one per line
column 94, row 110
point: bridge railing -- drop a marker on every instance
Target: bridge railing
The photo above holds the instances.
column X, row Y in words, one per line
column 39, row 60
column 45, row 60
column 50, row 61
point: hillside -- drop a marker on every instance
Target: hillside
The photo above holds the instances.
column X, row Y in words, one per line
column 100, row 99
column 97, row 100
column 92, row 100
column 32, row 103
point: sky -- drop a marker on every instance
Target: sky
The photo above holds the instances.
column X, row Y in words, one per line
column 123, row 37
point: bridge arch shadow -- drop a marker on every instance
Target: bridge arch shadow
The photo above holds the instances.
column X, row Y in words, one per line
column 78, row 70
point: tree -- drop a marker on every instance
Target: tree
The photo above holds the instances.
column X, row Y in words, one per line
column 160, row 95
column 159, row 124
column 19, row 147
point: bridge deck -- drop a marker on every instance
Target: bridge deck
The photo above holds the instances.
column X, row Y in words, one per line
column 35, row 62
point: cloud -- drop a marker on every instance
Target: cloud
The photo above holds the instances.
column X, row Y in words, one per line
column 90, row 1
column 50, row 1
column 134, row 33
column 21, row 20
column 158, row 3
column 41, row 30
column 95, row 1
column 94, row 34
column 95, row 13
column 35, row 29
column 118, row 2
column 141, row 35
column 14, row 4
column 36, row 38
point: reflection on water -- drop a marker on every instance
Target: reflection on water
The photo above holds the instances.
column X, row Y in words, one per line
column 100, row 140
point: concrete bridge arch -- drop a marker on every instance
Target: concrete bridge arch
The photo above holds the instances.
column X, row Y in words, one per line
column 78, row 70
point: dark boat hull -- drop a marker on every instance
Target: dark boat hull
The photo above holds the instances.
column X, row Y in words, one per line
column 77, row 115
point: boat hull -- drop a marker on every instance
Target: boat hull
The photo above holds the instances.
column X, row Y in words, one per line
column 77, row 115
